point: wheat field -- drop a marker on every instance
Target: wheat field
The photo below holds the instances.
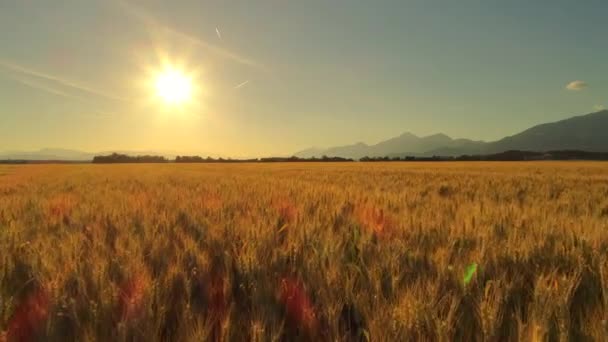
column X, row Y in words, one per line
column 329, row 252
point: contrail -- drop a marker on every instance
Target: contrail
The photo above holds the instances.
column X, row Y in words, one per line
column 218, row 51
column 56, row 92
column 45, row 88
column 219, row 35
column 141, row 15
column 65, row 82
column 241, row 85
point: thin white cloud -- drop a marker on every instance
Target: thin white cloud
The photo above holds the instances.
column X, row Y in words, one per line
column 148, row 19
column 45, row 88
column 217, row 50
column 241, row 84
column 58, row 92
column 577, row 85
column 599, row 107
column 59, row 80
column 219, row 35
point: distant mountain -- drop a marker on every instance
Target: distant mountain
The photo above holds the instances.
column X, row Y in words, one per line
column 586, row 133
column 70, row 155
column 47, row 154
column 405, row 144
column 310, row 152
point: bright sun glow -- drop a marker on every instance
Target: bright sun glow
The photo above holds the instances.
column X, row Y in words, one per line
column 174, row 87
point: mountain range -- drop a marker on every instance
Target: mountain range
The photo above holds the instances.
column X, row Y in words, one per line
column 586, row 132
column 70, row 155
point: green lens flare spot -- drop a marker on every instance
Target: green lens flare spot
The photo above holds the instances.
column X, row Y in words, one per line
column 469, row 273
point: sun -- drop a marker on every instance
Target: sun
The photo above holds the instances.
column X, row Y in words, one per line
column 173, row 86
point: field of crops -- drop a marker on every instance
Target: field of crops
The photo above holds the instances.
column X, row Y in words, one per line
column 354, row 252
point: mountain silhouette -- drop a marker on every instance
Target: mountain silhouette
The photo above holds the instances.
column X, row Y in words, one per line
column 48, row 154
column 70, row 155
column 406, row 143
column 586, row 132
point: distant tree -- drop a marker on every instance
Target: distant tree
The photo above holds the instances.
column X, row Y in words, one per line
column 123, row 158
column 189, row 159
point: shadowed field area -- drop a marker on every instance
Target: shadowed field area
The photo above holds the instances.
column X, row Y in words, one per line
column 355, row 252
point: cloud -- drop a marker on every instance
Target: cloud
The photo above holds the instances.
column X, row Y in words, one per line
column 31, row 82
column 46, row 88
column 241, row 84
column 577, row 85
column 216, row 50
column 57, row 92
column 149, row 20
column 59, row 80
column 599, row 107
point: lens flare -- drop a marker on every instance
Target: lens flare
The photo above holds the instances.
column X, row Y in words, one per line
column 469, row 273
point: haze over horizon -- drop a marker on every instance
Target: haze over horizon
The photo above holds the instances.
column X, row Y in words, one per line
column 278, row 77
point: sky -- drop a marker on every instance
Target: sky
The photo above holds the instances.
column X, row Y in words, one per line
column 278, row 76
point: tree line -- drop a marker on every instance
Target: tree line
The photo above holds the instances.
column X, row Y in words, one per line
column 292, row 159
column 513, row 155
column 115, row 158
column 123, row 158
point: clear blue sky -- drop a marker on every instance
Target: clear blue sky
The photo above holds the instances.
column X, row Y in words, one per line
column 76, row 74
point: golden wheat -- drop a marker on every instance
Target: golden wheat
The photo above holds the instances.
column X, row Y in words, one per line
column 323, row 251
